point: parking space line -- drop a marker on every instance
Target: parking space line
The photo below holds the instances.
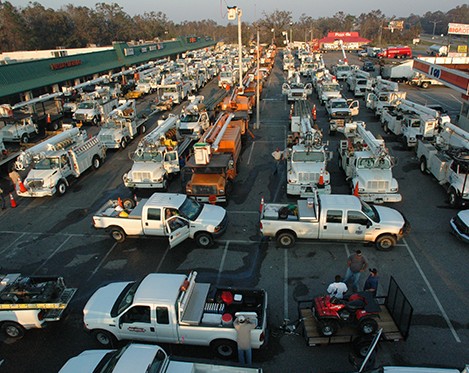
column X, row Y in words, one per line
column 285, row 286
column 13, row 243
column 250, row 152
column 55, row 234
column 51, row 255
column 456, row 98
column 432, row 292
column 222, row 263
column 102, row 261
column 163, row 258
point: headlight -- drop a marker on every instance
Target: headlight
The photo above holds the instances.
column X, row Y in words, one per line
column 221, row 191
column 394, row 190
column 361, row 190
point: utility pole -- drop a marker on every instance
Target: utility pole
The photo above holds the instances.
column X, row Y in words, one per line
column 434, row 26
column 258, row 110
column 234, row 12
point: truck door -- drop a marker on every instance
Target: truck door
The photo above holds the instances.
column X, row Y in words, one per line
column 177, row 230
column 354, row 107
column 356, row 226
column 152, row 222
column 171, row 162
column 136, row 324
column 371, row 100
column 165, row 325
column 332, row 227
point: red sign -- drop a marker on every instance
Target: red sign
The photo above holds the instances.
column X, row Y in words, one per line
column 342, row 34
column 63, row 65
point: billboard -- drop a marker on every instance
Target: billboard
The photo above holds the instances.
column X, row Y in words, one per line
column 458, row 29
column 396, row 25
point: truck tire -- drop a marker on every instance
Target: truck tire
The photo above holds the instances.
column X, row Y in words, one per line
column 128, row 203
column 286, row 239
column 123, row 143
column 203, row 239
column 94, row 121
column 385, row 128
column 423, row 165
column 385, row 242
column 61, row 188
column 105, row 338
column 328, row 328
column 454, row 198
column 96, row 162
column 368, row 326
column 425, row 85
column 224, row 348
column 118, row 234
column 142, row 129
column 361, row 345
column 24, row 138
column 12, row 330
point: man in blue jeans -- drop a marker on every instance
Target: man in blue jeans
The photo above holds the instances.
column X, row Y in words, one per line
column 356, row 264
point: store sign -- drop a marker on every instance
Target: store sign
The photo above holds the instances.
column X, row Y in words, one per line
column 64, row 65
column 128, row 51
column 458, row 29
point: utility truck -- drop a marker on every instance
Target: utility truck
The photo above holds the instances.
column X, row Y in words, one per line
column 95, row 107
column 385, row 94
column 368, row 166
column 447, row 159
column 173, row 88
column 294, row 89
column 123, row 125
column 306, row 165
column 359, row 82
column 31, row 302
column 194, row 118
column 327, row 87
column 211, row 169
column 156, row 158
column 332, row 217
column 175, row 216
column 57, row 161
column 341, row 108
column 144, row 358
column 174, row 308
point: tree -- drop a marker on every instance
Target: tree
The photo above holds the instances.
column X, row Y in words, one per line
column 13, row 30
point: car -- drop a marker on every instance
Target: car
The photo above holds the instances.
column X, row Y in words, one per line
column 368, row 66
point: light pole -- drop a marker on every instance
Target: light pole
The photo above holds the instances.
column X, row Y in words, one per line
column 258, row 94
column 434, row 26
column 273, row 36
column 234, row 12
column 291, row 32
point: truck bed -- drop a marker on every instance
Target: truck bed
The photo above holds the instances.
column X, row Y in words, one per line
column 109, row 210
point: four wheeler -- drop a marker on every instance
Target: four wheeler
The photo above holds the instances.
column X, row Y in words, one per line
column 359, row 310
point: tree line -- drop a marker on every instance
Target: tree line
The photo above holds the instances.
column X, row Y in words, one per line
column 36, row 27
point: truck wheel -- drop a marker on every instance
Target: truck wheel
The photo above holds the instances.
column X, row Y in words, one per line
column 24, row 138
column 142, row 129
column 385, row 128
column 423, row 165
column 96, row 162
column 105, row 338
column 94, row 121
column 224, row 348
column 368, row 326
column 328, row 328
column 286, row 239
column 128, row 203
column 425, row 85
column 385, row 242
column 453, row 198
column 54, row 126
column 118, row 234
column 12, row 330
column 204, row 239
column 123, row 143
column 61, row 188
column 361, row 345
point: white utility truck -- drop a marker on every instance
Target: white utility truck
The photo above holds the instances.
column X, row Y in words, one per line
column 174, row 308
column 194, row 119
column 368, row 166
column 16, row 130
column 332, row 217
column 57, row 161
column 143, row 358
column 359, row 82
column 175, row 216
column 173, row 88
column 295, row 89
column 122, row 126
column 447, row 159
column 95, row 107
column 385, row 94
column 327, row 87
column 29, row 302
column 341, row 108
column 306, row 165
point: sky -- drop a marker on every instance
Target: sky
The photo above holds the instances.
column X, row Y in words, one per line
column 195, row 10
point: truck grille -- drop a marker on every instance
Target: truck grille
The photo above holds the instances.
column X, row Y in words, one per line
column 80, row 117
column 35, row 184
column 186, row 131
column 106, row 138
column 204, row 190
column 378, row 185
column 141, row 176
column 307, row 177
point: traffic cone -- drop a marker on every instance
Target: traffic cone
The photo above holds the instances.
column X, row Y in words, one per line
column 355, row 190
column 212, row 199
column 321, row 180
column 48, row 119
column 261, row 206
column 119, row 202
column 12, row 201
column 22, row 187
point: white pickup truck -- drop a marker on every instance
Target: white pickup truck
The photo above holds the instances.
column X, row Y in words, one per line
column 174, row 308
column 143, row 358
column 333, row 217
column 175, row 216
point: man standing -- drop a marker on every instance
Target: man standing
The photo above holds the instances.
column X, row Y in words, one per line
column 243, row 327
column 337, row 288
column 356, row 264
column 371, row 283
column 278, row 156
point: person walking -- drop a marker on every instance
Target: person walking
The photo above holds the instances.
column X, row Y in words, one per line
column 356, row 264
column 337, row 288
column 278, row 156
column 14, row 176
column 243, row 328
column 371, row 283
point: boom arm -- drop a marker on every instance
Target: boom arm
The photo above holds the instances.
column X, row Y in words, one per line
column 376, row 146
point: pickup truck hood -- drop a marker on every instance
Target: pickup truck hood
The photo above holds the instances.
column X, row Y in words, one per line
column 84, row 111
column 99, row 306
column 211, row 216
column 389, row 216
column 87, row 361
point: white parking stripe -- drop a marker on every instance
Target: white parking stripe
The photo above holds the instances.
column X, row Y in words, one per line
column 51, row 255
column 432, row 292
column 102, row 261
column 285, row 286
column 14, row 242
column 222, row 263
column 250, row 152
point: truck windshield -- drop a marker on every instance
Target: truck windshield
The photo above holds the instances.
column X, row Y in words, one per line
column 188, row 118
column 308, row 156
column 330, row 88
column 147, row 155
column 85, row 105
column 190, row 209
column 339, row 105
column 370, row 211
column 125, row 299
column 47, row 164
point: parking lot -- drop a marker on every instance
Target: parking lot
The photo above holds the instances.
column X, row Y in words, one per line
column 54, row 236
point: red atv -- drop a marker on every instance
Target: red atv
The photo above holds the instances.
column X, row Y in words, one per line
column 359, row 310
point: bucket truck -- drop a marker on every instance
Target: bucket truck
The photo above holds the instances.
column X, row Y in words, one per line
column 385, row 94
column 294, row 89
column 447, row 159
column 306, row 170
column 194, row 119
column 213, row 166
column 95, row 107
column 368, row 166
column 58, row 160
column 156, row 158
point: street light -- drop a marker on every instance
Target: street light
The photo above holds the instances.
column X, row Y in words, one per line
column 273, row 36
column 291, row 32
column 234, row 12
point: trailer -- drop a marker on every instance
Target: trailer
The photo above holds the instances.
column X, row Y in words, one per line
column 395, row 319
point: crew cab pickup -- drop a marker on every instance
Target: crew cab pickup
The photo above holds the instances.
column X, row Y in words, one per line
column 333, row 217
column 174, row 308
column 176, row 216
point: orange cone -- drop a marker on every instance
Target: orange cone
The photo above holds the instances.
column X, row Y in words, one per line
column 48, row 119
column 119, row 202
column 321, row 180
column 212, row 199
column 22, row 187
column 12, row 201
column 355, row 190
column 261, row 207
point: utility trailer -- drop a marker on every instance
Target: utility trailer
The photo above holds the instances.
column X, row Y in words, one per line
column 395, row 319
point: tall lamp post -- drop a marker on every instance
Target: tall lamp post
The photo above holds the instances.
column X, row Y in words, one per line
column 234, row 12
column 273, row 36
column 291, row 32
